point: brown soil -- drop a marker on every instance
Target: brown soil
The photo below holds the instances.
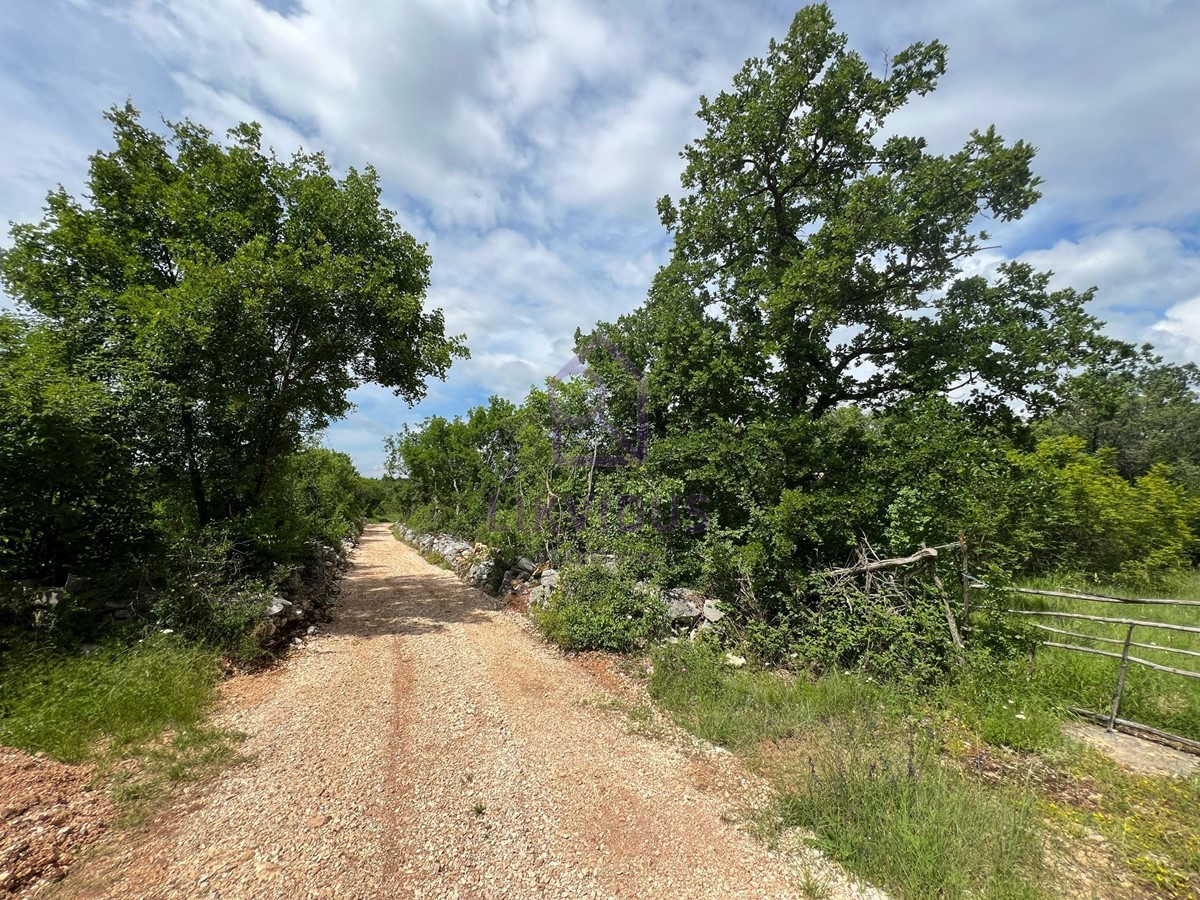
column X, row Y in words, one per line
column 48, row 814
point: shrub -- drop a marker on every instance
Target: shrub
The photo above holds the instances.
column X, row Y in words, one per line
column 598, row 608
column 898, row 634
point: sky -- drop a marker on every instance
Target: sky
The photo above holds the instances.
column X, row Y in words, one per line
column 527, row 142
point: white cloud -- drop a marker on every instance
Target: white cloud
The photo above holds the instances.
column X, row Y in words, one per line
column 1142, row 274
column 628, row 157
column 1102, row 90
column 1177, row 336
column 527, row 141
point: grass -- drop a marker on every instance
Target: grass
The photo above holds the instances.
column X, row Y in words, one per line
column 74, row 706
column 966, row 790
column 137, row 712
column 848, row 760
column 897, row 816
column 1159, row 699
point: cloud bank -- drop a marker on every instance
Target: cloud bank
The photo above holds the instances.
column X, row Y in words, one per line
column 528, row 141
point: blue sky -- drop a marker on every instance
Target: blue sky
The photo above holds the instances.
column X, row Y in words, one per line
column 526, row 141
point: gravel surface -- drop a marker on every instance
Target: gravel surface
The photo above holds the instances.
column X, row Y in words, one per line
column 48, row 813
column 426, row 745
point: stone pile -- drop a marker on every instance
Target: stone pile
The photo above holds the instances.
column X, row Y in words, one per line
column 306, row 593
column 530, row 581
column 690, row 609
column 472, row 562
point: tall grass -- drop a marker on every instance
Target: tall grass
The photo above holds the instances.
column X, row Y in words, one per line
column 898, row 817
column 847, row 762
column 1159, row 699
column 104, row 703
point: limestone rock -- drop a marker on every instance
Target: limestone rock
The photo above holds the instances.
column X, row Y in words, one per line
column 683, row 604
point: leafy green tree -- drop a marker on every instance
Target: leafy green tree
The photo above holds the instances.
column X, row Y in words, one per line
column 1101, row 523
column 70, row 495
column 226, row 301
column 1144, row 410
column 818, row 260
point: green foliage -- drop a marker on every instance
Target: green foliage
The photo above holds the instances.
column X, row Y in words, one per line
column 225, row 302
column 1000, row 700
column 183, row 332
column 452, row 472
column 901, row 634
column 597, row 608
column 740, row 709
column 76, row 706
column 894, row 814
column 1098, row 522
column 1144, row 411
column 206, row 599
column 802, row 217
column 70, row 497
column 790, row 377
column 312, row 496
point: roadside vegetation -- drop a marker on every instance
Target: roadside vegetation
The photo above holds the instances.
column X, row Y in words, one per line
column 1158, row 699
column 182, row 335
column 816, row 380
column 952, row 792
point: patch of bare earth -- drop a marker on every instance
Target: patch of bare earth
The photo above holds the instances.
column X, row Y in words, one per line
column 48, row 815
column 427, row 745
column 1137, row 754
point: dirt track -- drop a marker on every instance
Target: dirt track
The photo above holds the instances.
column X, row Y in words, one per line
column 425, row 745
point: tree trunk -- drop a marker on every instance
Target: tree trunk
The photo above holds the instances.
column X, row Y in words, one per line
column 194, row 475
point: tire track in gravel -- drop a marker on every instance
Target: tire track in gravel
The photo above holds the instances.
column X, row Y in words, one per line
column 426, row 745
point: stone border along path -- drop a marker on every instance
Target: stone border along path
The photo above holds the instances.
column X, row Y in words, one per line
column 425, row 745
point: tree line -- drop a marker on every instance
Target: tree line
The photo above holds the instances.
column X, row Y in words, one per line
column 818, row 367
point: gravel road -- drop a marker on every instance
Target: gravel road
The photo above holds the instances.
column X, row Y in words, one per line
column 426, row 745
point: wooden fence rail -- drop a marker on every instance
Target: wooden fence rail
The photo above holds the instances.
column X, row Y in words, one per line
column 1111, row 719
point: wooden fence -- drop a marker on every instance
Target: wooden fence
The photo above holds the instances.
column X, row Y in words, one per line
column 870, row 566
column 1063, row 638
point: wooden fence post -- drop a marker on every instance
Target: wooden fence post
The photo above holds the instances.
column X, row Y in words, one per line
column 966, row 580
column 1116, row 702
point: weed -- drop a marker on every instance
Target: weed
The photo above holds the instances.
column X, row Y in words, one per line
column 890, row 811
column 83, row 706
column 847, row 762
column 1151, row 822
column 740, row 709
column 137, row 712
